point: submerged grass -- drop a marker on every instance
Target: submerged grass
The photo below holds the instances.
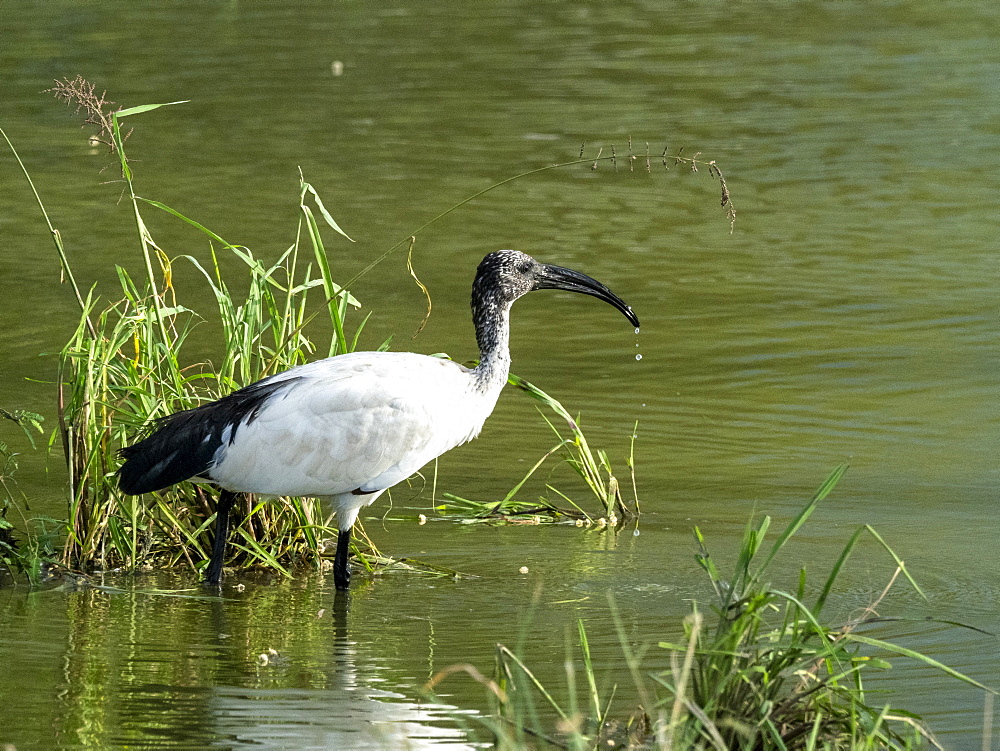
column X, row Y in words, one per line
column 761, row 669
column 593, row 468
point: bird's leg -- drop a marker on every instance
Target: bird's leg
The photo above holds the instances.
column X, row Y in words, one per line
column 213, row 574
column 342, row 571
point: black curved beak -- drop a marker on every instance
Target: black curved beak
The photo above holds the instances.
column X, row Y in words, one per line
column 557, row 277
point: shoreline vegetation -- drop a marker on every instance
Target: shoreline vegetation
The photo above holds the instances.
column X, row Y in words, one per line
column 761, row 670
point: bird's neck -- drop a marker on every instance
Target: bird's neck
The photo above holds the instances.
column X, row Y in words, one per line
column 491, row 317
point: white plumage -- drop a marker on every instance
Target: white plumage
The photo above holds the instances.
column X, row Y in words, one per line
column 347, row 428
column 361, row 421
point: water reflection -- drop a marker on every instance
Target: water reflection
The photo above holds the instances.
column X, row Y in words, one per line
column 368, row 718
column 160, row 671
column 358, row 710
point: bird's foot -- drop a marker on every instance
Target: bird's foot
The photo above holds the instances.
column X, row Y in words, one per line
column 213, row 576
column 342, row 579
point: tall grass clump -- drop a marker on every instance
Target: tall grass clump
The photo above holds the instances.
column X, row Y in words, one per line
column 762, row 668
column 127, row 364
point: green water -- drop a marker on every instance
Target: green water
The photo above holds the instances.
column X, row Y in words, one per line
column 852, row 314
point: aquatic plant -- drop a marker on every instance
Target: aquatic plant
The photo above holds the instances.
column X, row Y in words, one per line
column 762, row 670
column 594, row 468
column 39, row 535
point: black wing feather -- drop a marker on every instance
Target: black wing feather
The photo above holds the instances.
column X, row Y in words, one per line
column 183, row 445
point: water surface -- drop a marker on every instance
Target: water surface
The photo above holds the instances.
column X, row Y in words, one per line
column 850, row 315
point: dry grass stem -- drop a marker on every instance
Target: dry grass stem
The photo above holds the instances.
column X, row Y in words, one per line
column 82, row 93
column 692, row 162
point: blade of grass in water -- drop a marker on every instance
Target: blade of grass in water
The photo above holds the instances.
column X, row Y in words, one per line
column 822, row 492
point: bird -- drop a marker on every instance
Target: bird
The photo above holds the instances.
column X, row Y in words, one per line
column 347, row 428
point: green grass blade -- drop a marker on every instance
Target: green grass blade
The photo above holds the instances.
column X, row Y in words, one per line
column 822, row 492
column 595, row 698
column 930, row 661
column 513, row 491
column 835, row 572
column 254, row 548
column 534, row 680
column 897, row 559
column 146, row 108
column 322, row 210
column 197, row 225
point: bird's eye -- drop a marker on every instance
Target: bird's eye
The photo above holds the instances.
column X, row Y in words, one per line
column 525, row 267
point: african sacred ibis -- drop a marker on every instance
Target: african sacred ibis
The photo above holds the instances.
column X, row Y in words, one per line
column 347, row 428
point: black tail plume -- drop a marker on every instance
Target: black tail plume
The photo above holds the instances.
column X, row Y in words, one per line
column 184, row 445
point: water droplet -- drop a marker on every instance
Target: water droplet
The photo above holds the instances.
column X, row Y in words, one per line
column 637, row 329
column 635, row 533
column 638, row 357
column 644, row 404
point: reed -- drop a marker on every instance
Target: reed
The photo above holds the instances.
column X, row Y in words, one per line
column 136, row 370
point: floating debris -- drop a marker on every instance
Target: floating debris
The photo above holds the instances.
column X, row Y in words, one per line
column 265, row 657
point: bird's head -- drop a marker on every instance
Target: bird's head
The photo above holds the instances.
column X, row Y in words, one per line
column 510, row 274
